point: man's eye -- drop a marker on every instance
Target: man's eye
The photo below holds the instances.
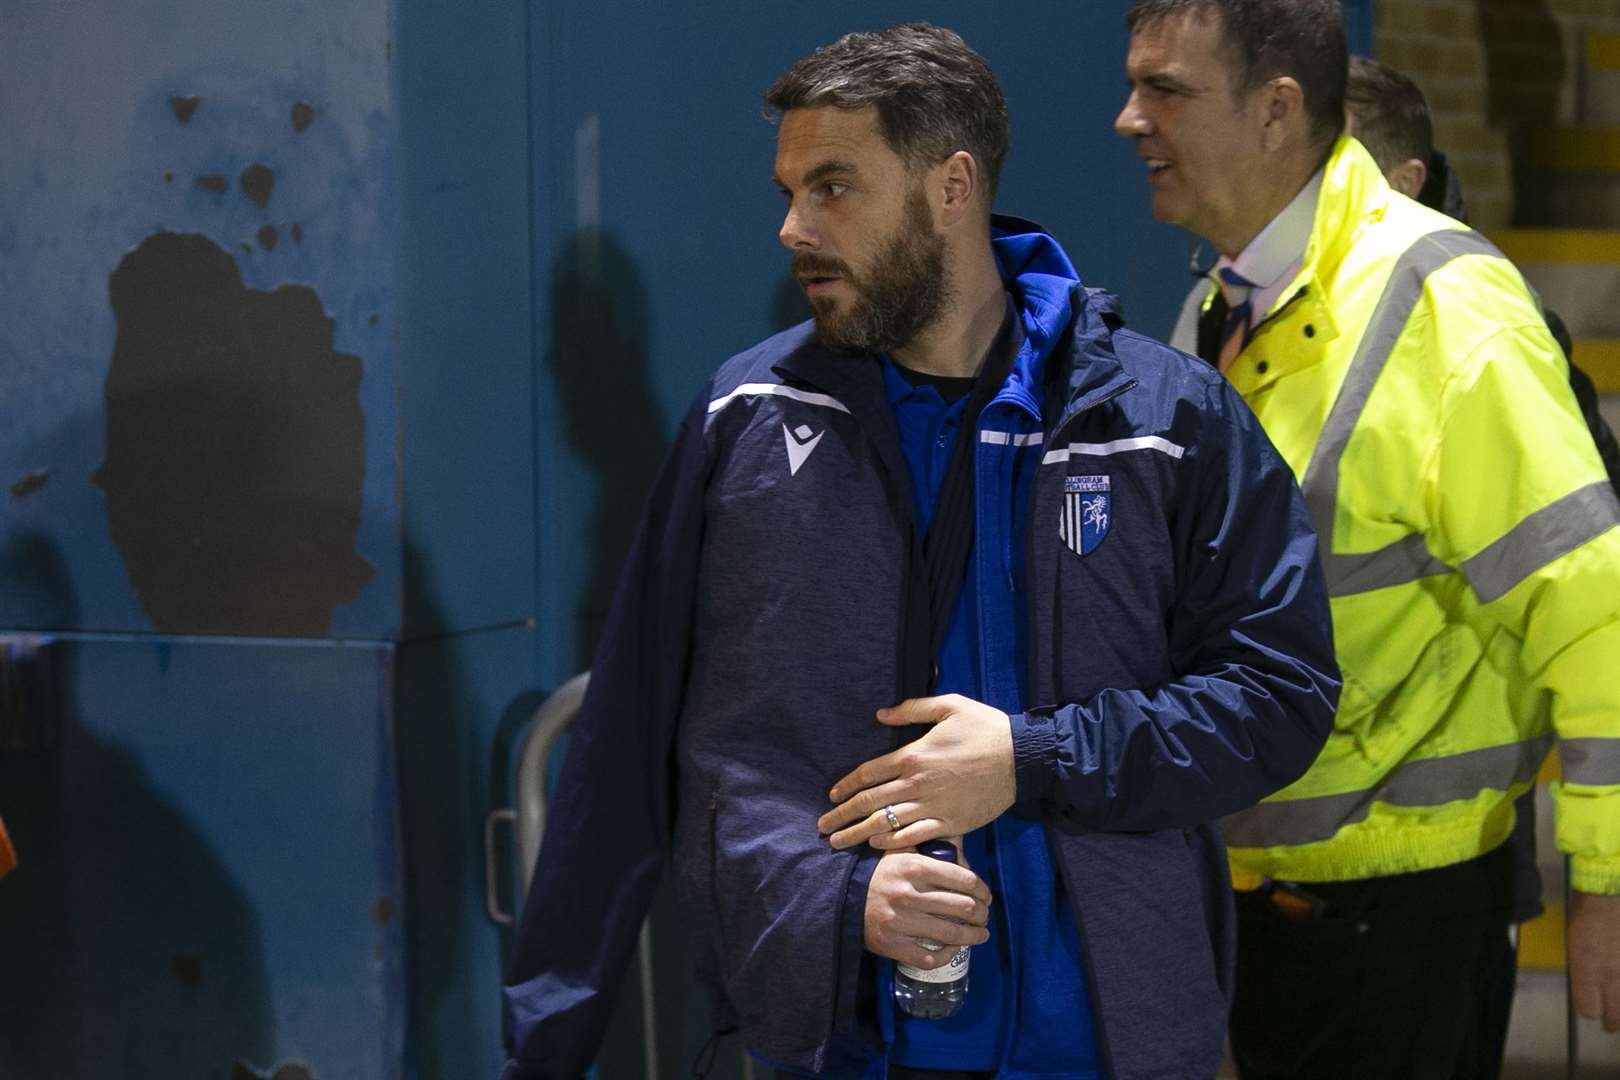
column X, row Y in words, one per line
column 833, row 188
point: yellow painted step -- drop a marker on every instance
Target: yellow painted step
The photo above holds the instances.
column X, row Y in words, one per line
column 1574, row 149
column 1592, row 246
column 1541, row 940
column 1601, row 360
column 1603, row 52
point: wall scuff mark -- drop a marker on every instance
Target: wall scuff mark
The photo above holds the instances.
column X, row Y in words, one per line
column 183, row 107
column 383, row 912
column 257, row 182
column 189, row 970
column 213, row 182
column 302, row 116
column 235, row 447
column 30, row 483
column 268, row 237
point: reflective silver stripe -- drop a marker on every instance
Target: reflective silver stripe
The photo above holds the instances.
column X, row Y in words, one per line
column 1406, row 560
column 1321, row 484
column 756, row 389
column 1005, row 438
column 1428, row 782
column 1118, row 446
column 1590, row 761
column 1545, row 536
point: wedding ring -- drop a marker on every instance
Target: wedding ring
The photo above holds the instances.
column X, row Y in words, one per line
column 894, row 822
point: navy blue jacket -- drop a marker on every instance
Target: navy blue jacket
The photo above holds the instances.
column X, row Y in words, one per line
column 1185, row 666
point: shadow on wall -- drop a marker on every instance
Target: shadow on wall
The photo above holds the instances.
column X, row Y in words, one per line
column 1525, row 67
column 138, row 956
column 610, row 411
column 432, row 745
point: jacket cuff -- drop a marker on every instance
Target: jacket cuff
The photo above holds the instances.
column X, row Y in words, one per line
column 1034, row 754
column 852, row 941
column 1595, row 874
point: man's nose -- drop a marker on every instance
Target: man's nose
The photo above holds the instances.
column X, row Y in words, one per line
column 1132, row 121
column 796, row 232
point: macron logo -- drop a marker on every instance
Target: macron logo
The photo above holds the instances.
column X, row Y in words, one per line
column 800, row 443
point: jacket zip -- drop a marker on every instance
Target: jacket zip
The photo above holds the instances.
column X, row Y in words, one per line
column 1105, row 1053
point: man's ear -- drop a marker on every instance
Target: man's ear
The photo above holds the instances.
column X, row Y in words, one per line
column 1282, row 105
column 958, row 187
column 1408, row 177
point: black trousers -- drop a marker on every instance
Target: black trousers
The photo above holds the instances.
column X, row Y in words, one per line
column 1384, row 978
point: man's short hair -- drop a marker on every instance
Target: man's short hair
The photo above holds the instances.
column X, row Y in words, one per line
column 1303, row 39
column 1392, row 116
column 933, row 94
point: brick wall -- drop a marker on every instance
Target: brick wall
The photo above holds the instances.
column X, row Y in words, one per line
column 1491, row 69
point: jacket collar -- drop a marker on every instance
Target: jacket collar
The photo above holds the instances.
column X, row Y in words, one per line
column 1068, row 344
column 1354, row 194
column 1090, row 372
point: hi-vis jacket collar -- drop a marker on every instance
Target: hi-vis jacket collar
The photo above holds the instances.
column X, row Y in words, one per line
column 1352, row 197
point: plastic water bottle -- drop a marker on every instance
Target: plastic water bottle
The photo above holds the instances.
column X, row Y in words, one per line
column 940, row 992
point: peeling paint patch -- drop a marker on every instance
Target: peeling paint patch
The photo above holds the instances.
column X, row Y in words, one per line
column 373, row 319
column 303, row 115
column 235, row 447
column 189, row 970
column 183, row 107
column 30, row 483
column 383, row 912
column 257, row 182
column 168, row 178
column 268, row 237
column 298, row 233
column 213, row 182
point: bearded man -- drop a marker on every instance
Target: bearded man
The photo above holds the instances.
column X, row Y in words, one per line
column 962, row 558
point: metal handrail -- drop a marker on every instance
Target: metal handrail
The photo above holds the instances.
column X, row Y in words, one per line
column 528, row 821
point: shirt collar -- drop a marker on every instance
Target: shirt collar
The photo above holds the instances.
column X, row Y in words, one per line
column 1279, row 250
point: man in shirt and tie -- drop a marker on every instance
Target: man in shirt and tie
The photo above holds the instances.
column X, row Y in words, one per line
column 1467, row 529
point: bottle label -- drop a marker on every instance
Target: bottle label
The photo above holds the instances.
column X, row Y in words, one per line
column 956, row 969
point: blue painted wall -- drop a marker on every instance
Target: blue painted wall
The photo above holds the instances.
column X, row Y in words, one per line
column 199, row 233
column 1358, row 26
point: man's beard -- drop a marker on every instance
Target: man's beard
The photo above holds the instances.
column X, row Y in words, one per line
column 896, row 299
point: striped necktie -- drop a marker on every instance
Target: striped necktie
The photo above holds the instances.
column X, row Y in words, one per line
column 1237, row 290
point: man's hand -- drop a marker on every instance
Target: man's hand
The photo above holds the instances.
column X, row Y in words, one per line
column 913, row 896
column 956, row 778
column 1593, row 946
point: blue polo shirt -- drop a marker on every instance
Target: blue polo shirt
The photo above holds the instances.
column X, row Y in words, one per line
column 1027, row 1012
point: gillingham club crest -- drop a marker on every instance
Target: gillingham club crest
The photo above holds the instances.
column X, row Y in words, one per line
column 1087, row 507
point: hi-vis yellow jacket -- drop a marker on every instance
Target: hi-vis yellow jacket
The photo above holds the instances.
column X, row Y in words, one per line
column 1469, row 537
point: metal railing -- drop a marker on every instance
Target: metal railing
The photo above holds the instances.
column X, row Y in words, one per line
column 527, row 819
